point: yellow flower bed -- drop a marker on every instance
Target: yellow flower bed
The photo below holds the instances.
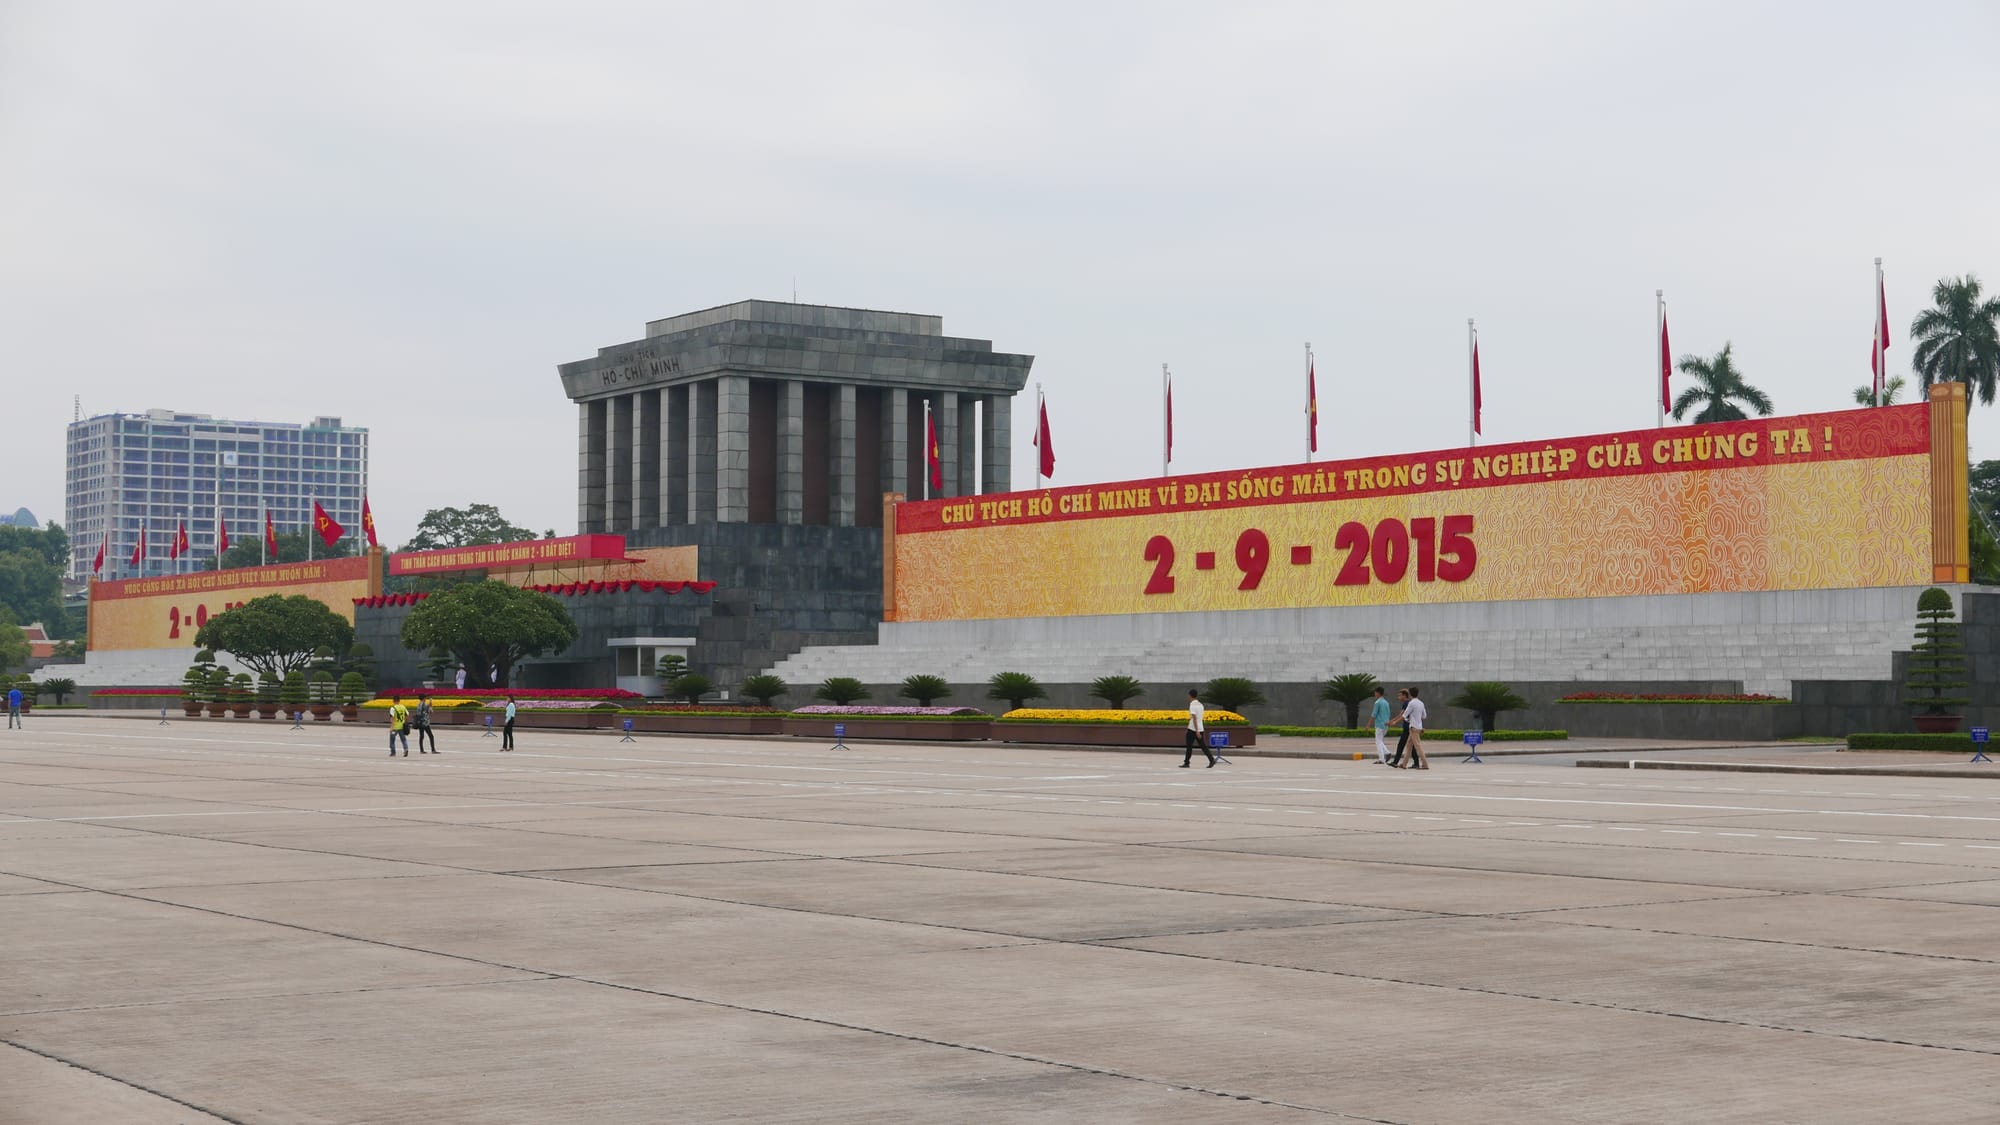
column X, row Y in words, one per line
column 1106, row 715
column 438, row 702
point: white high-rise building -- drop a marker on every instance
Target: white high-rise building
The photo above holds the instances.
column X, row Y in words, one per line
column 154, row 470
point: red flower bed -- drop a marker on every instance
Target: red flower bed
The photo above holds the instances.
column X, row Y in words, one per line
column 518, row 693
column 701, row 708
column 1629, row 697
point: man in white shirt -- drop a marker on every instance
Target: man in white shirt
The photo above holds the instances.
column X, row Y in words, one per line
column 1414, row 713
column 1197, row 727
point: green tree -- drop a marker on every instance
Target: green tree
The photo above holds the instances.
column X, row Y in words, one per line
column 293, row 695
column 1936, row 665
column 764, row 688
column 1958, row 338
column 841, row 690
column 1865, row 395
column 1718, row 387
column 13, row 642
column 925, row 689
column 1115, row 690
column 31, row 589
column 247, row 549
column 464, row 527
column 489, row 625
column 1350, row 691
column 690, row 687
column 1231, row 693
column 1487, row 699
column 58, row 686
column 275, row 633
column 1014, row 687
column 50, row 543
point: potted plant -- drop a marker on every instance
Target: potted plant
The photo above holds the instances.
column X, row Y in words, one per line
column 352, row 691
column 194, row 689
column 1936, row 665
column 242, row 694
column 293, row 694
column 320, row 692
column 267, row 696
column 218, row 692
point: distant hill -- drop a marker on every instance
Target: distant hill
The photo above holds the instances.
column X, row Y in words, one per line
column 21, row 518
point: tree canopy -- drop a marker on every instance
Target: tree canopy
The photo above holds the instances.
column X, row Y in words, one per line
column 13, row 642
column 1718, row 387
column 276, row 633
column 246, row 547
column 32, row 561
column 489, row 625
column 469, row 526
column 1958, row 337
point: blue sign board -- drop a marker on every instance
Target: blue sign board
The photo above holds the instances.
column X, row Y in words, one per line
column 1474, row 738
column 1218, row 739
column 1979, row 734
column 839, row 730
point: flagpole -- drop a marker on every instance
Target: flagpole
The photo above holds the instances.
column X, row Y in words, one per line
column 1472, row 383
column 313, row 522
column 1038, row 435
column 1659, row 348
column 1166, row 422
column 927, row 449
column 1881, row 360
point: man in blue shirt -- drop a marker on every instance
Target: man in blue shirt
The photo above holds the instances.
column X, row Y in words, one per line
column 1379, row 715
column 13, row 708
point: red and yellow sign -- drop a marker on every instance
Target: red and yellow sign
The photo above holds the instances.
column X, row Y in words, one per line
column 1815, row 501
column 499, row 556
column 165, row 612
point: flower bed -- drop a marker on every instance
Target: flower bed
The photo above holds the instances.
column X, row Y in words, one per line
column 1631, row 697
column 888, row 711
column 1431, row 734
column 1214, row 717
column 921, row 728
column 517, row 693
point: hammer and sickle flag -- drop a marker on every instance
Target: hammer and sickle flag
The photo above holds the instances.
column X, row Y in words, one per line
column 329, row 531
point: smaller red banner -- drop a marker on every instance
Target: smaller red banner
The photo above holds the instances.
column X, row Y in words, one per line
column 506, row 556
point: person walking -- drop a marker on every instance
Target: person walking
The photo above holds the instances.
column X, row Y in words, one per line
column 1197, row 727
column 1403, row 739
column 461, row 677
column 1378, row 714
column 399, row 723
column 507, row 729
column 422, row 721
column 1414, row 713
column 14, row 709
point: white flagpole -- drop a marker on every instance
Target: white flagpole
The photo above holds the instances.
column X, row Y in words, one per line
column 313, row 524
column 1660, row 355
column 1038, row 435
column 1472, row 383
column 927, row 449
column 1875, row 330
column 1166, row 422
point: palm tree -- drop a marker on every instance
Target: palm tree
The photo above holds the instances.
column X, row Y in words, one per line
column 1866, row 395
column 1717, row 383
column 1959, row 338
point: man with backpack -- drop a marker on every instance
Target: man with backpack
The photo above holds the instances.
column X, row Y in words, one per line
column 399, row 726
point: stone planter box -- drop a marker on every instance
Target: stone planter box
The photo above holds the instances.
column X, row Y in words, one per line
column 321, row 712
column 969, row 729
column 694, row 723
column 1938, row 724
column 548, row 720
column 218, row 710
column 1114, row 734
column 454, row 717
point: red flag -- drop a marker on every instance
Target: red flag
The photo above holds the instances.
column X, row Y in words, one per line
column 180, row 546
column 1475, row 385
column 933, row 464
column 329, row 531
column 1878, row 358
column 368, row 522
column 1312, row 409
column 1170, row 420
column 1042, row 442
column 221, row 534
column 1666, row 368
column 139, row 549
column 270, row 537
column 98, row 566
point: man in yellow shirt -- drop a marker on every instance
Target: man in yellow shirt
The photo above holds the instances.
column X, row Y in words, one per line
column 399, row 727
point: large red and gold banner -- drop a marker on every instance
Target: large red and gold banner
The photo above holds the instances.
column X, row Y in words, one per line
column 1815, row 501
column 166, row 612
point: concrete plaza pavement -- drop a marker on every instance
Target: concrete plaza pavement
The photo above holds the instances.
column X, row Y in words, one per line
column 231, row 921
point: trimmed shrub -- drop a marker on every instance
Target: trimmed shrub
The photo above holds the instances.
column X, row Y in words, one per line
column 841, row 689
column 1231, row 693
column 1014, row 687
column 1115, row 690
column 1350, row 691
column 1910, row 740
column 924, row 689
column 1487, row 699
column 764, row 688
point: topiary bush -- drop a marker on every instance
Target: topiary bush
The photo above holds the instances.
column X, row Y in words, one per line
column 293, row 694
column 924, row 689
column 1014, row 687
column 1937, row 661
column 1350, row 691
column 1231, row 693
column 691, row 687
column 764, row 688
column 1487, row 699
column 1115, row 690
column 841, row 689
column 353, row 690
column 59, row 686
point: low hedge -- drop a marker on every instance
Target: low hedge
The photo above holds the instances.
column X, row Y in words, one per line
column 1431, row 734
column 1911, row 740
column 1619, row 698
column 1218, row 724
column 704, row 713
column 845, row 717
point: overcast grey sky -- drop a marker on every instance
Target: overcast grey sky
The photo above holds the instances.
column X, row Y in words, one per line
column 407, row 214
